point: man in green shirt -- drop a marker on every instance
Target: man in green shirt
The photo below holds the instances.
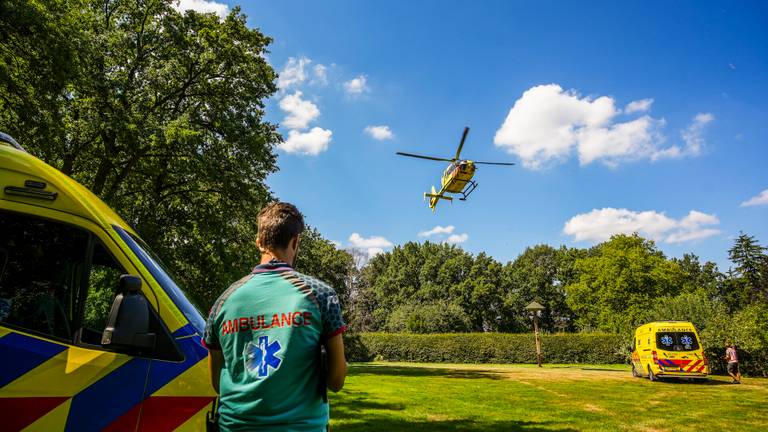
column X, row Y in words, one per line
column 264, row 334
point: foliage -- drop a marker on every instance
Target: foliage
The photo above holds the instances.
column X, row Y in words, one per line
column 618, row 282
column 695, row 307
column 319, row 258
column 749, row 280
column 489, row 348
column 537, row 274
column 159, row 113
column 748, row 329
column 414, row 275
column 437, row 317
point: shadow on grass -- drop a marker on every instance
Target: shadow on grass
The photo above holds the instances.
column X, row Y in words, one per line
column 357, row 411
column 408, row 371
column 692, row 381
column 382, row 424
column 604, row 369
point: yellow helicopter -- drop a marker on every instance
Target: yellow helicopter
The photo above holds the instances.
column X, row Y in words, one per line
column 457, row 177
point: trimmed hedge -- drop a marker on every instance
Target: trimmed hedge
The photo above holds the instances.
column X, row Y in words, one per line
column 486, row 348
column 591, row 348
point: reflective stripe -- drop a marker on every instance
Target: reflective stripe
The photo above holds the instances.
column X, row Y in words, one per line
column 20, row 354
column 109, row 398
column 51, row 421
column 19, row 413
column 66, row 374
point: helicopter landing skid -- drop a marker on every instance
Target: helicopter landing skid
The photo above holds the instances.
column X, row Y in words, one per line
column 471, row 186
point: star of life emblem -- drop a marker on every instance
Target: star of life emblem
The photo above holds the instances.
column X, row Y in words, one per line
column 666, row 340
column 260, row 357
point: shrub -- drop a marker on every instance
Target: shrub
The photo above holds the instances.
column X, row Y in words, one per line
column 485, row 348
column 421, row 318
column 748, row 328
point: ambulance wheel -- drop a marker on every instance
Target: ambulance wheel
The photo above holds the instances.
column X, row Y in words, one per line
column 634, row 371
column 651, row 376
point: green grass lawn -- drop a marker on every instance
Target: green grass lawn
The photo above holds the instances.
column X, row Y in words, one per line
column 440, row 397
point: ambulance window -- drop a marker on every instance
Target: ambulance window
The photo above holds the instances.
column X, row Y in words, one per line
column 103, row 281
column 41, row 265
column 677, row 341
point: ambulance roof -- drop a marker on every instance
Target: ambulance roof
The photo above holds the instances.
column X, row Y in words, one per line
column 17, row 167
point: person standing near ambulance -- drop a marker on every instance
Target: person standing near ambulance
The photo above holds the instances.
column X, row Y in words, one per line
column 732, row 357
column 264, row 334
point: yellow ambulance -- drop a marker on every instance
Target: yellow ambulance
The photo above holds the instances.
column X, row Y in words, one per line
column 668, row 349
column 94, row 334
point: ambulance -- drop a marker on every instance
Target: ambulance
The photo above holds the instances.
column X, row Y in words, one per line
column 94, row 333
column 668, row 349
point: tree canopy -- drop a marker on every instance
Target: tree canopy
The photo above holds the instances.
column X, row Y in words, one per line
column 161, row 114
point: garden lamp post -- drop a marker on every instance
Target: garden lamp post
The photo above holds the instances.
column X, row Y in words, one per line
column 535, row 308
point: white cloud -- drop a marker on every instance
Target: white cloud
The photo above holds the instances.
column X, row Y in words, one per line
column 373, row 245
column 309, row 143
column 600, row 225
column 438, row 230
column 759, row 199
column 300, row 112
column 357, row 85
column 692, row 135
column 626, row 141
column 321, row 74
column 201, row 6
column 641, row 105
column 457, row 238
column 380, row 133
column 548, row 124
column 293, row 73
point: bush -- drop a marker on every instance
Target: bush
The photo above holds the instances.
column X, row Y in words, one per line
column 748, row 328
column 421, row 318
column 486, row 348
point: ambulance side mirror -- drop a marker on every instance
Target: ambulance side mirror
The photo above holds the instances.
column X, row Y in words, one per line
column 128, row 324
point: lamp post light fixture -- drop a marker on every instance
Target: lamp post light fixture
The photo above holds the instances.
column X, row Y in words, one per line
column 535, row 308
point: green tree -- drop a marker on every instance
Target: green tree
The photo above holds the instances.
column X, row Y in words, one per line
column 695, row 277
column 695, row 307
column 618, row 282
column 750, row 282
column 321, row 259
column 397, row 287
column 160, row 113
column 535, row 275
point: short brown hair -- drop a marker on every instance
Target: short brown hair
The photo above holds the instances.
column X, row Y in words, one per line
column 279, row 222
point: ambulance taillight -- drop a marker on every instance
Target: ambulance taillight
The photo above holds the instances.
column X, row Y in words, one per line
column 655, row 357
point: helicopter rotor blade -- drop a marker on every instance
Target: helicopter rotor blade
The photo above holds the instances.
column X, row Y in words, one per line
column 493, row 163
column 461, row 144
column 424, row 157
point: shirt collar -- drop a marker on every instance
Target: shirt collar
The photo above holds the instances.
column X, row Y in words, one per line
column 272, row 265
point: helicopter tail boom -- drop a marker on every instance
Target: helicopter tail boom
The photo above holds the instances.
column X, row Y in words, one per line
column 434, row 197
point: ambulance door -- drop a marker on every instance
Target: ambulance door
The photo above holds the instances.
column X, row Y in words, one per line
column 57, row 283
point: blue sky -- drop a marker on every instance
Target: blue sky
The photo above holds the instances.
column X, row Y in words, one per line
column 648, row 117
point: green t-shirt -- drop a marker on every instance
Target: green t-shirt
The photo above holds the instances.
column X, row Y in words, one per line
column 269, row 326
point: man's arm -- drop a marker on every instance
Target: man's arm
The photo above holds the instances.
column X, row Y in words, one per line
column 215, row 363
column 337, row 363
